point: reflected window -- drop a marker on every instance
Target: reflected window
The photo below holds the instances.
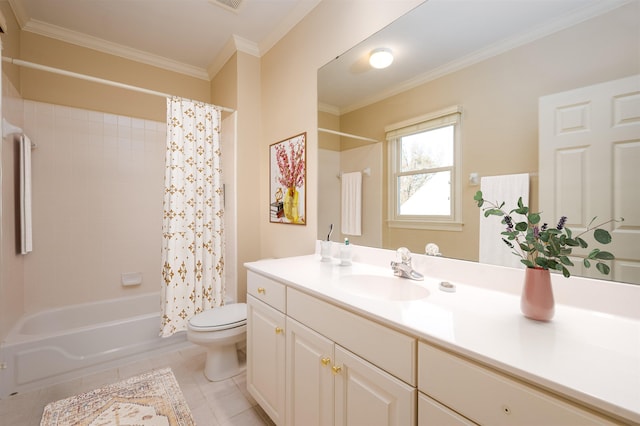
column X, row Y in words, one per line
column 424, row 171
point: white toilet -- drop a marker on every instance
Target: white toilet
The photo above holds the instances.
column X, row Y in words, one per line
column 220, row 330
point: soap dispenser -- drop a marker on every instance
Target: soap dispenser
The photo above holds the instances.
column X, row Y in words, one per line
column 345, row 253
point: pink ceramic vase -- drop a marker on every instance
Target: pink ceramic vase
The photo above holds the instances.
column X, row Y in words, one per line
column 537, row 295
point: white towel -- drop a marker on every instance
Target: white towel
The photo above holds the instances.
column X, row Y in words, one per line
column 496, row 189
column 26, row 244
column 352, row 203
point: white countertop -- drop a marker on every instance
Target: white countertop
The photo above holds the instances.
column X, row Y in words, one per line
column 592, row 357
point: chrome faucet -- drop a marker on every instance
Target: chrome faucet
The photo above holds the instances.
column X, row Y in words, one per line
column 403, row 268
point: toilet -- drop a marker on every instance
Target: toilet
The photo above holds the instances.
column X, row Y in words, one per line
column 220, row 330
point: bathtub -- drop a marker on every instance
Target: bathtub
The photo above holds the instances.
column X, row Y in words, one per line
column 60, row 344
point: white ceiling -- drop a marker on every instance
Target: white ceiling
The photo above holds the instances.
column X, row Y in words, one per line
column 194, row 37
column 441, row 36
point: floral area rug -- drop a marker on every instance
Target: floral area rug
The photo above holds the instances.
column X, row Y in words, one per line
column 150, row 399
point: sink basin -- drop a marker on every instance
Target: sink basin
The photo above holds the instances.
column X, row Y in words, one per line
column 382, row 288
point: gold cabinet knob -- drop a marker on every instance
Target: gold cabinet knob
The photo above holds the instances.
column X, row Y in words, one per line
column 325, row 361
column 261, row 290
column 279, row 330
column 336, row 369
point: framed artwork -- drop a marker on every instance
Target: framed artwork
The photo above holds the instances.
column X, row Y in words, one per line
column 288, row 180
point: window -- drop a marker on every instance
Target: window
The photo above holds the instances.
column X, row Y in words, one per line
column 424, row 171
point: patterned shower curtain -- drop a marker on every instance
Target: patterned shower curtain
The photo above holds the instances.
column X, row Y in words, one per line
column 192, row 228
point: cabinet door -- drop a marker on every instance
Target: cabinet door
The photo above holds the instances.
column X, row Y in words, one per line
column 366, row 395
column 266, row 358
column 432, row 413
column 310, row 392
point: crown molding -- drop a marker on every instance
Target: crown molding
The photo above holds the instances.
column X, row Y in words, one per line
column 496, row 49
column 330, row 109
column 239, row 44
column 95, row 43
column 19, row 11
column 233, row 45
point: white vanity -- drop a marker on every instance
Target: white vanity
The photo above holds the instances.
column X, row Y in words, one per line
column 354, row 345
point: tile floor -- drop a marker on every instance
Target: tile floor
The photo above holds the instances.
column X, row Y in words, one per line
column 225, row 403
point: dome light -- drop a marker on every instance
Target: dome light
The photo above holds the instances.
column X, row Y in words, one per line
column 380, row 58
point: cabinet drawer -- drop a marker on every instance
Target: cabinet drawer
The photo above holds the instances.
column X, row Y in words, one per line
column 266, row 290
column 390, row 350
column 490, row 398
column 432, row 413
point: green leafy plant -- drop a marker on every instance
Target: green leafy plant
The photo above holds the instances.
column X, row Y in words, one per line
column 540, row 246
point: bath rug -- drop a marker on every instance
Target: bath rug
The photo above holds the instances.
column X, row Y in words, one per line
column 150, row 399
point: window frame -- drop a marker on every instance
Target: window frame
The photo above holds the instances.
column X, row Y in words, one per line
column 394, row 133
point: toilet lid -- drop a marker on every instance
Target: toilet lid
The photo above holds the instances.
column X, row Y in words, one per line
column 220, row 318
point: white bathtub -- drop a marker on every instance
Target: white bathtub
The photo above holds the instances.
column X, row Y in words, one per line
column 65, row 343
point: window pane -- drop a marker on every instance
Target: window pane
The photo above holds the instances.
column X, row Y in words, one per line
column 425, row 194
column 425, row 150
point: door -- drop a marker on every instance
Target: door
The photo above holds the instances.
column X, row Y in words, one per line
column 309, row 376
column 266, row 358
column 366, row 395
column 589, row 163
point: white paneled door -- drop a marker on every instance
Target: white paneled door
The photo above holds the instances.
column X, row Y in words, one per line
column 589, row 163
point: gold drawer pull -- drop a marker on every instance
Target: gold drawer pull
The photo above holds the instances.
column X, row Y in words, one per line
column 325, row 361
column 336, row 369
column 261, row 290
column 279, row 330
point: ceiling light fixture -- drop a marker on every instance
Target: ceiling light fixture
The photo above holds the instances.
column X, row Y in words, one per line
column 380, row 58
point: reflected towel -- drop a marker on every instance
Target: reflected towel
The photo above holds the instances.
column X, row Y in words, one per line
column 496, row 189
column 352, row 203
column 26, row 244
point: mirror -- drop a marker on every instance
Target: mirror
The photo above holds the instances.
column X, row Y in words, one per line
column 493, row 58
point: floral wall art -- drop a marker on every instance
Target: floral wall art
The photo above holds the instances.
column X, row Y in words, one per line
column 287, row 183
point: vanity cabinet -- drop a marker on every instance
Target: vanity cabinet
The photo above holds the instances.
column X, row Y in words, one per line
column 320, row 354
column 486, row 396
column 312, row 363
column 266, row 345
column 343, row 369
column 329, row 385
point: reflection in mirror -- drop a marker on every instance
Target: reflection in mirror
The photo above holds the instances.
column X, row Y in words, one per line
column 495, row 60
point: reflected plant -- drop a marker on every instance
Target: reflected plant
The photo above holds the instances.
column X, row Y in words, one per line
column 541, row 246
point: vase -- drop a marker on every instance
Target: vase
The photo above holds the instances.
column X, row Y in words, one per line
column 537, row 301
column 291, row 205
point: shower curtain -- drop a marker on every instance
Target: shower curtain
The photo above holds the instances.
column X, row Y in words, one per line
column 192, row 229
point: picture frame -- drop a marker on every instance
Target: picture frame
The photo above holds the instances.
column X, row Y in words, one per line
column 288, row 180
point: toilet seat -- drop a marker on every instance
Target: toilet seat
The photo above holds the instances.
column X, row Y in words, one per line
column 220, row 318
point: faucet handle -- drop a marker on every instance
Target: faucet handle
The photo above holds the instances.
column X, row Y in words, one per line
column 403, row 255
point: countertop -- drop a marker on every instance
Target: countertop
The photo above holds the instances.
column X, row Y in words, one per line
column 591, row 357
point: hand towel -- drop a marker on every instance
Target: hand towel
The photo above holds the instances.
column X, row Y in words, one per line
column 26, row 244
column 352, row 203
column 496, row 189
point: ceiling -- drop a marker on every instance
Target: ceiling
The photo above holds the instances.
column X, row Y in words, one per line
column 194, row 37
column 442, row 36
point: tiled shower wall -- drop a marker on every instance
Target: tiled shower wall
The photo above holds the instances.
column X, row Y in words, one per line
column 97, row 205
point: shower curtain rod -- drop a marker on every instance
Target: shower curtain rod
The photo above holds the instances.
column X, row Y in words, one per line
column 27, row 64
column 349, row 135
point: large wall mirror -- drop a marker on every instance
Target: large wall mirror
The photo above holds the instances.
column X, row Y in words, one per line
column 494, row 59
